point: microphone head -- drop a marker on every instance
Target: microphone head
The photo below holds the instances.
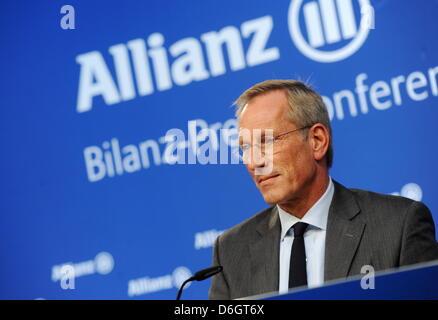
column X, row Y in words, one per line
column 207, row 273
column 199, row 276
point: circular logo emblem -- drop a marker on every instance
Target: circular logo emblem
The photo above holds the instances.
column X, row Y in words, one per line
column 324, row 26
column 104, row 263
column 412, row 191
column 180, row 275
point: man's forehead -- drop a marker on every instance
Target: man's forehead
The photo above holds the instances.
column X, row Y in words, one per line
column 264, row 127
column 266, row 108
column 262, row 122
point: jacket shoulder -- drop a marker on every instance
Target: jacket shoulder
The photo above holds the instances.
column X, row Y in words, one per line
column 371, row 196
column 246, row 228
column 383, row 208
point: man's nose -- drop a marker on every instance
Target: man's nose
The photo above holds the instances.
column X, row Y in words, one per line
column 255, row 159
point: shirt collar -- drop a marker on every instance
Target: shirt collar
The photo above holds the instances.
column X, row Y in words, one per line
column 316, row 217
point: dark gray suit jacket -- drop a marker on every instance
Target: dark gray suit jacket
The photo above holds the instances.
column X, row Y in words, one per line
column 363, row 228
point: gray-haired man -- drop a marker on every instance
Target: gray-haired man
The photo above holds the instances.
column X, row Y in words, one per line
column 316, row 229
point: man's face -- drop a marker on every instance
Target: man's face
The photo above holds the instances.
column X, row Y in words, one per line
column 293, row 164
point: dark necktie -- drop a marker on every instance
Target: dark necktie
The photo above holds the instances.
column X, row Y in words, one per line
column 297, row 268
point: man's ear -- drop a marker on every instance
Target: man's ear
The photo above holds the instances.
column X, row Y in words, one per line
column 319, row 136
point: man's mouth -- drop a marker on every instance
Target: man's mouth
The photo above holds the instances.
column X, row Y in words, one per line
column 265, row 179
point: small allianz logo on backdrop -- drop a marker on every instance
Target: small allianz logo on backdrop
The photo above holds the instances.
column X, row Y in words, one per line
column 67, row 273
column 103, row 264
column 146, row 285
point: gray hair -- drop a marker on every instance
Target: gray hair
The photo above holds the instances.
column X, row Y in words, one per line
column 306, row 107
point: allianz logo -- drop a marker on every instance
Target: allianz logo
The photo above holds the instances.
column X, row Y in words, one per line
column 103, row 263
column 157, row 67
column 147, row 285
column 144, row 67
column 206, row 239
column 329, row 22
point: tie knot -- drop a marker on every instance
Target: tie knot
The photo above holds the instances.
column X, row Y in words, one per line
column 299, row 229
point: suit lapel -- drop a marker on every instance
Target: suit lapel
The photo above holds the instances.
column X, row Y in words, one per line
column 265, row 252
column 344, row 233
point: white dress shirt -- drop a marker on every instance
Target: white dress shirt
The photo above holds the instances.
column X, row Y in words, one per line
column 314, row 240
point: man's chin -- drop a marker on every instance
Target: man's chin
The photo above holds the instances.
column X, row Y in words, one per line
column 270, row 198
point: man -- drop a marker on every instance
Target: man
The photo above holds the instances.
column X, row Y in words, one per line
column 316, row 229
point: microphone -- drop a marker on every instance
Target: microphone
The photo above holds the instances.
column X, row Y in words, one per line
column 199, row 276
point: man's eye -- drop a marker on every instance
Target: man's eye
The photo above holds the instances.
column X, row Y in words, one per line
column 268, row 140
column 244, row 147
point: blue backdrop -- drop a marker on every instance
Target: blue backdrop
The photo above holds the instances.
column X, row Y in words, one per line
column 93, row 183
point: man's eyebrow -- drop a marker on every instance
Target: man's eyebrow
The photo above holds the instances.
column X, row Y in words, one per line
column 267, row 132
